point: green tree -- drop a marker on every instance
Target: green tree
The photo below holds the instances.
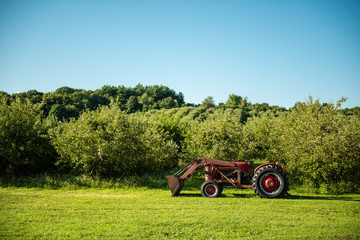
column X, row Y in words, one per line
column 65, row 91
column 133, row 105
column 146, row 101
column 25, row 147
column 319, row 145
column 61, row 112
column 237, row 102
column 257, row 141
column 32, row 95
column 208, row 102
column 218, row 137
column 167, row 103
column 109, row 142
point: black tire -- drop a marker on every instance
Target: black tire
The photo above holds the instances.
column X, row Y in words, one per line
column 221, row 189
column 210, row 189
column 270, row 181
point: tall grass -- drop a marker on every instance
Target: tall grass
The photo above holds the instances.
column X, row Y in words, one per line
column 74, row 182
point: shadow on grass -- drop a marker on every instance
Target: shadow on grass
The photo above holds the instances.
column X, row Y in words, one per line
column 189, row 195
column 336, row 198
column 239, row 195
column 181, row 195
column 226, row 195
column 288, row 197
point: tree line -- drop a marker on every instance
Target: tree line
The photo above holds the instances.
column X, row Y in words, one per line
column 318, row 144
column 65, row 102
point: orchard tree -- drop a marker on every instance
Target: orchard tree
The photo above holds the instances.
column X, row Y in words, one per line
column 25, row 147
column 109, row 142
column 319, row 145
column 219, row 137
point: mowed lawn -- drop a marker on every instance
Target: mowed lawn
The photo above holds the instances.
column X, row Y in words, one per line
column 142, row 213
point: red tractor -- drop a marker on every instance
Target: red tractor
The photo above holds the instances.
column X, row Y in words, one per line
column 269, row 180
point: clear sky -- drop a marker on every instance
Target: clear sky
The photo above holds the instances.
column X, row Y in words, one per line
column 278, row 52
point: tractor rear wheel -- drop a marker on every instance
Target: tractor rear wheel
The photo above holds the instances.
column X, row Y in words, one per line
column 270, row 181
column 211, row 189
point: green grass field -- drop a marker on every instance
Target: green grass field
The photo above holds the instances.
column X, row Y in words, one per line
column 141, row 213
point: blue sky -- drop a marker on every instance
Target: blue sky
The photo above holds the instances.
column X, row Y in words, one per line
column 278, row 52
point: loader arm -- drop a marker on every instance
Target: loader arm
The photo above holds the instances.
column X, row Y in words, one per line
column 176, row 181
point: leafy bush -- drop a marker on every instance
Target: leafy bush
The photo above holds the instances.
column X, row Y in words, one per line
column 319, row 146
column 219, row 137
column 108, row 142
column 170, row 124
column 24, row 144
column 257, row 142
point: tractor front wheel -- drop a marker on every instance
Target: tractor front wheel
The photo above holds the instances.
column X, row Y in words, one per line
column 211, row 189
column 270, row 181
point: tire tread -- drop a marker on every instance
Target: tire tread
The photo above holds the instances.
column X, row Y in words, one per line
column 260, row 172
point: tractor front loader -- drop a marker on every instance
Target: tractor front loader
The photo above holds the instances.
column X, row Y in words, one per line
column 269, row 180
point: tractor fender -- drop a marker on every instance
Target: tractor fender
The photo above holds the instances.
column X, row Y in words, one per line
column 276, row 164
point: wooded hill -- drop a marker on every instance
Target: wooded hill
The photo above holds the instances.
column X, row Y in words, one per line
column 65, row 102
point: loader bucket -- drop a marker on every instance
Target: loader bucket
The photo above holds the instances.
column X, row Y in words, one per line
column 175, row 184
